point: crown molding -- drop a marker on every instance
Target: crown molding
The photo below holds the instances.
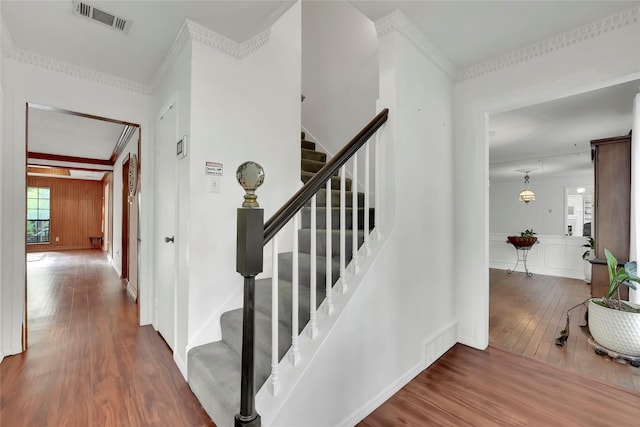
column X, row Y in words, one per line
column 191, row 31
column 586, row 32
column 217, row 41
column 7, row 45
column 397, row 21
column 52, row 64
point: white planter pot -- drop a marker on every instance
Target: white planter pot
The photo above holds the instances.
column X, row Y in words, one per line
column 587, row 271
column 616, row 330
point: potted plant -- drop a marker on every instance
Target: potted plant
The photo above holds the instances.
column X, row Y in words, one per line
column 587, row 256
column 613, row 323
column 526, row 239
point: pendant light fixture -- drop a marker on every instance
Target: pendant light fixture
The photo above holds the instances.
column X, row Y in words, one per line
column 527, row 195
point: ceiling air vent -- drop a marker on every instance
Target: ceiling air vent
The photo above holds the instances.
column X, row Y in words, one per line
column 91, row 12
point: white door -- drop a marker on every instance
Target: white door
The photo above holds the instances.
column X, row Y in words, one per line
column 165, row 254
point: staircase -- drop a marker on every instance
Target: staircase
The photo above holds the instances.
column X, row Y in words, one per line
column 214, row 368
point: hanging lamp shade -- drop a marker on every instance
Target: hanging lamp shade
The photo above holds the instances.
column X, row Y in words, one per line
column 526, row 195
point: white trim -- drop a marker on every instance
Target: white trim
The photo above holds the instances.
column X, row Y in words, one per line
column 41, row 61
column 310, row 137
column 566, row 39
column 133, row 292
column 182, row 365
column 397, row 21
column 434, row 347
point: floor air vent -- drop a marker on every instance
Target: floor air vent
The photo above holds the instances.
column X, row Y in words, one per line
column 91, row 12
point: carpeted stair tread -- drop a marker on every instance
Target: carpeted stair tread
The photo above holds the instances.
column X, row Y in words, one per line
column 312, row 166
column 335, row 180
column 214, row 377
column 231, row 323
column 309, row 145
column 263, row 300
column 321, row 198
column 321, row 217
column 285, row 261
column 313, row 155
column 304, row 239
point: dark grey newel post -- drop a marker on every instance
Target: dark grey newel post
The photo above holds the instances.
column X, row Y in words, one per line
column 249, row 263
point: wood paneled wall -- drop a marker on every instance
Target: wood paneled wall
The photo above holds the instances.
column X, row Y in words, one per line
column 76, row 212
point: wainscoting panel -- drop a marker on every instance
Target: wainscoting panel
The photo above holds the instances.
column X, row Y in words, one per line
column 559, row 256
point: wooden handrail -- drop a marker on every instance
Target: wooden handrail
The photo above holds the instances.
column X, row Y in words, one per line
column 295, row 203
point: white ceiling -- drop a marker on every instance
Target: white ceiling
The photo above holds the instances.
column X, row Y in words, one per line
column 554, row 137
column 466, row 32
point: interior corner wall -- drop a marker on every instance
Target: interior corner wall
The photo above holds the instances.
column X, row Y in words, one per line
column 339, row 72
column 545, row 215
column 402, row 315
column 2, row 127
column 29, row 83
column 241, row 109
column 608, row 58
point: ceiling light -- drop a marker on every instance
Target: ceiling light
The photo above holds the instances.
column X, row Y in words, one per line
column 527, row 195
column 581, row 190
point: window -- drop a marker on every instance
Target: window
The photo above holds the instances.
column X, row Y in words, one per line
column 38, row 203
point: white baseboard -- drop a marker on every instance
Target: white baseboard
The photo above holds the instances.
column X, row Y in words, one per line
column 133, row 292
column 434, row 347
column 182, row 365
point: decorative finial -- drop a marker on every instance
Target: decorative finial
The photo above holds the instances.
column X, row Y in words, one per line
column 250, row 176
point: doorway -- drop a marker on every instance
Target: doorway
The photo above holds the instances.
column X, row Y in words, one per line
column 76, row 159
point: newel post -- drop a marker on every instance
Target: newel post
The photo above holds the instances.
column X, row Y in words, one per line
column 249, row 263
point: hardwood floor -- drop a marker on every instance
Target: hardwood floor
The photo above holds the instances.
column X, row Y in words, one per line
column 527, row 314
column 523, row 378
column 88, row 362
column 468, row 387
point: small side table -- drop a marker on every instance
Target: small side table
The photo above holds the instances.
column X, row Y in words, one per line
column 96, row 242
column 521, row 254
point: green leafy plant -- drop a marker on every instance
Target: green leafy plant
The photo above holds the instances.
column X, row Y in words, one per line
column 527, row 233
column 591, row 245
column 618, row 276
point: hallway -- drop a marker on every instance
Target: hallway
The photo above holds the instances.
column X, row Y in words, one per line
column 88, row 362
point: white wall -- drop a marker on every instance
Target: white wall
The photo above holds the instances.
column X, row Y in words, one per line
column 2, row 126
column 605, row 59
column 402, row 315
column 545, row 215
column 28, row 83
column 241, row 109
column 339, row 72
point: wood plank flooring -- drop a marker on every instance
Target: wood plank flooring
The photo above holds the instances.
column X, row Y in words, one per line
column 468, row 387
column 527, row 314
column 88, row 362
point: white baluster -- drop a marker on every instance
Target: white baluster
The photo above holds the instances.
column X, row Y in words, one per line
column 313, row 323
column 378, row 176
column 367, row 246
column 343, row 250
column 295, row 351
column 354, row 216
column 275, row 379
column 328, row 255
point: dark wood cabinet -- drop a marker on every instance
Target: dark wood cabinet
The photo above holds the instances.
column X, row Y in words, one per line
column 612, row 168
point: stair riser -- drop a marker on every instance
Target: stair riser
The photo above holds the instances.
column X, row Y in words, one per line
column 321, row 199
column 285, row 269
column 314, row 155
column 321, row 218
column 335, row 182
column 263, row 301
column 312, row 166
column 304, row 242
column 231, row 324
column 308, row 145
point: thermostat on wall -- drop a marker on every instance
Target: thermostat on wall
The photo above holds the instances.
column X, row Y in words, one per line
column 181, row 147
